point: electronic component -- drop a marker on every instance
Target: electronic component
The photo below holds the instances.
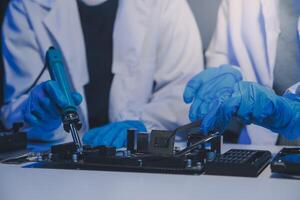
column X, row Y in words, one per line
column 132, row 135
column 162, row 143
column 13, row 139
column 137, row 142
column 143, row 142
column 203, row 143
column 239, row 162
column 287, row 162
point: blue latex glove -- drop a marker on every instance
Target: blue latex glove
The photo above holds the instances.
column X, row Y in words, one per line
column 113, row 134
column 42, row 109
column 256, row 104
column 204, row 90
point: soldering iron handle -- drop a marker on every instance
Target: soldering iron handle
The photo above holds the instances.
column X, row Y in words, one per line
column 57, row 72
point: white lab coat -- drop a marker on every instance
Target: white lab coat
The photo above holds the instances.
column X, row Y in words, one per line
column 246, row 36
column 157, row 49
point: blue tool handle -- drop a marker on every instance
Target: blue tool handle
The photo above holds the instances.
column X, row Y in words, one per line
column 57, row 72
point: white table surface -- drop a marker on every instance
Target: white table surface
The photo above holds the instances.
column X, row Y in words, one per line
column 17, row 183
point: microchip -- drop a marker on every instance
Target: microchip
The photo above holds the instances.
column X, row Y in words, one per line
column 162, row 142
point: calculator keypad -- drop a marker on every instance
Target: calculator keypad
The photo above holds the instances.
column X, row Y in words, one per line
column 236, row 156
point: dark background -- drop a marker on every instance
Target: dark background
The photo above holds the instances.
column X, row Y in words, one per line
column 3, row 5
column 205, row 12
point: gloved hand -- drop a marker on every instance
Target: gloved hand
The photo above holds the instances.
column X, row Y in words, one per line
column 256, row 104
column 113, row 134
column 43, row 107
column 206, row 88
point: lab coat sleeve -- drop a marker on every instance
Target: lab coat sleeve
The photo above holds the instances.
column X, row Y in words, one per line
column 179, row 58
column 23, row 62
column 218, row 52
column 294, row 89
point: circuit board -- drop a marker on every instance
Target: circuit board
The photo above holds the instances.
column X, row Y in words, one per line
column 153, row 152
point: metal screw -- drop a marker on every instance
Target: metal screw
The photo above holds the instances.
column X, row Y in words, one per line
column 75, row 157
column 140, row 163
column 39, row 157
column 199, row 165
column 127, row 153
column 50, row 156
column 188, row 163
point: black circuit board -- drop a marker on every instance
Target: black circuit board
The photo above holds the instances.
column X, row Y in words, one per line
column 109, row 159
column 147, row 164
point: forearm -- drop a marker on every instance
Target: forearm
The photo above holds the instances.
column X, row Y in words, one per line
column 289, row 123
column 256, row 104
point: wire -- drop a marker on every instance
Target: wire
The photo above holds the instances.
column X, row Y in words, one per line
column 197, row 144
column 36, row 80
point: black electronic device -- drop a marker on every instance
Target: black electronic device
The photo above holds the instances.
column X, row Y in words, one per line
column 13, row 139
column 156, row 152
column 239, row 162
column 153, row 152
column 287, row 162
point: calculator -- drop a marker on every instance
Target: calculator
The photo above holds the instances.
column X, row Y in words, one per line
column 239, row 162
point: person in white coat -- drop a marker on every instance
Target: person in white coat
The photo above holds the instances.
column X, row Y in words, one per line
column 156, row 49
column 261, row 39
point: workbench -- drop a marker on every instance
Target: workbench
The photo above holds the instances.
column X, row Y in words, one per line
column 17, row 183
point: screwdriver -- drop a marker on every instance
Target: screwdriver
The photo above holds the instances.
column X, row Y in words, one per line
column 70, row 117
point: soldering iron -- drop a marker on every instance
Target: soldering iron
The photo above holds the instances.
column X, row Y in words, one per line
column 70, row 117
